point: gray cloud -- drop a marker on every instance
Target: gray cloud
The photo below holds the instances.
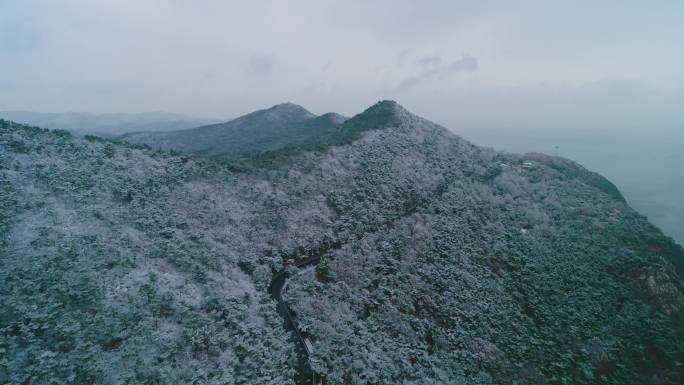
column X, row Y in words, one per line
column 466, row 63
column 429, row 61
column 9, row 86
column 17, row 36
column 403, row 56
column 218, row 58
column 261, row 64
column 610, row 106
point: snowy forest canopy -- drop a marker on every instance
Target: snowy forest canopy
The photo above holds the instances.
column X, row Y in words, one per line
column 442, row 262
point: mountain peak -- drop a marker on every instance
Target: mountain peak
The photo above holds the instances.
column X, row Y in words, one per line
column 385, row 113
column 290, row 110
column 333, row 117
column 390, row 106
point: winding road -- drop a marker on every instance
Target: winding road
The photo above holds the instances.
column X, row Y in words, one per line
column 305, row 374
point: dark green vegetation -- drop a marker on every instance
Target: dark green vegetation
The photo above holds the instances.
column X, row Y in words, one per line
column 275, row 129
column 109, row 272
column 442, row 263
column 329, row 130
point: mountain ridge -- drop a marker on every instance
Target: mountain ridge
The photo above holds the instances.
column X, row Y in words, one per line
column 441, row 262
column 271, row 129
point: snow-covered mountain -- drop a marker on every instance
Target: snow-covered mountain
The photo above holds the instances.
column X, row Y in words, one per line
column 441, row 262
column 281, row 126
column 105, row 125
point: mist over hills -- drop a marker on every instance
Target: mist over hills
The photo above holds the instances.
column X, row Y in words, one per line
column 106, row 125
column 270, row 129
column 441, row 262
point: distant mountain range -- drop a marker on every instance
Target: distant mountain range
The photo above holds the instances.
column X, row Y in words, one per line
column 105, row 125
column 276, row 128
column 405, row 255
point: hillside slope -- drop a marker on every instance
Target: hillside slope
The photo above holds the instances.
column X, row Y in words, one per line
column 441, row 262
column 281, row 126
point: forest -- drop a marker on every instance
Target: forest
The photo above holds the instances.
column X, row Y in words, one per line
column 441, row 262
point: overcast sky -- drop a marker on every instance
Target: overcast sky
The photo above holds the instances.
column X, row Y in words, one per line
column 557, row 64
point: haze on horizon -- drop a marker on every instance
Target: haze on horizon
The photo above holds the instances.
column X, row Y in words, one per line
column 581, row 65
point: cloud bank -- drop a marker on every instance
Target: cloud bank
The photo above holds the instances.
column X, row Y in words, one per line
column 458, row 62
